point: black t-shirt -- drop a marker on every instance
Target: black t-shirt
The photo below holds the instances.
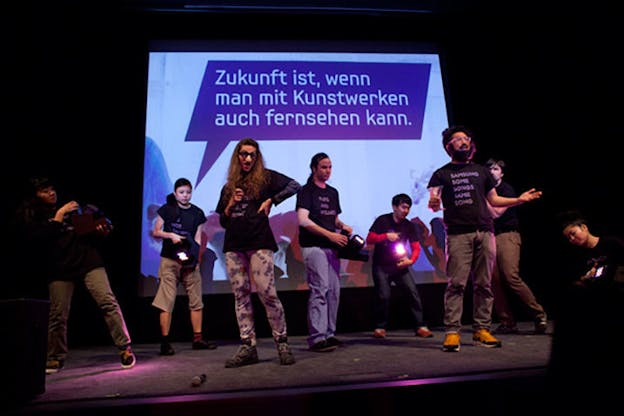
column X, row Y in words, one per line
column 323, row 205
column 61, row 253
column 464, row 191
column 384, row 254
column 247, row 229
column 509, row 220
column 184, row 222
column 608, row 254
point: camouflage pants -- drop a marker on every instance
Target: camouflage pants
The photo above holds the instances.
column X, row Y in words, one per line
column 248, row 271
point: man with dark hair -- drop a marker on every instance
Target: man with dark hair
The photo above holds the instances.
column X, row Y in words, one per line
column 464, row 189
column 506, row 273
column 321, row 234
column 396, row 250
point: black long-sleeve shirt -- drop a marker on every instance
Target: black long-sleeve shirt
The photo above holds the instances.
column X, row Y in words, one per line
column 247, row 229
column 57, row 249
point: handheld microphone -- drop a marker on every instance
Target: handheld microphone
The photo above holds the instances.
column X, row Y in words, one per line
column 197, row 380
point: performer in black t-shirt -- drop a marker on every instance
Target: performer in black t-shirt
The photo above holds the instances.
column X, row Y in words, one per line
column 68, row 257
column 506, row 273
column 243, row 208
column 586, row 348
column 179, row 224
column 396, row 250
column 464, row 189
column 321, row 232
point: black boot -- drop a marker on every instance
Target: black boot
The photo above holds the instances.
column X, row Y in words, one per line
column 165, row 346
column 283, row 350
column 246, row 355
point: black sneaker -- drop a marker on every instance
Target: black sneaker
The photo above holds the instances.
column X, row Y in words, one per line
column 283, row 350
column 128, row 359
column 166, row 348
column 53, row 366
column 322, row 346
column 246, row 355
column 333, row 341
column 541, row 325
column 204, row 345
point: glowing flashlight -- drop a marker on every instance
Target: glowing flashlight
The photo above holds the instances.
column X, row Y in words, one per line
column 182, row 256
column 399, row 250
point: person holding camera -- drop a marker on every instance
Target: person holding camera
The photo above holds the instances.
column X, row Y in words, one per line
column 396, row 249
column 179, row 225
column 69, row 256
column 591, row 298
column 244, row 206
column 321, row 234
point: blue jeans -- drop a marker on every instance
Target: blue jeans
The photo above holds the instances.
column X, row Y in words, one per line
column 322, row 267
column 405, row 280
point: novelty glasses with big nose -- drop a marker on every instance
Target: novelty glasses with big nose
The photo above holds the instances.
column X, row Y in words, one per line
column 244, row 155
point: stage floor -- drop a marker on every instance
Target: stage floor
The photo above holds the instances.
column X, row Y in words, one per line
column 93, row 379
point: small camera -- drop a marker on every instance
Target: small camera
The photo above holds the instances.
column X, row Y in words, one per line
column 599, row 265
column 354, row 248
column 187, row 253
column 88, row 220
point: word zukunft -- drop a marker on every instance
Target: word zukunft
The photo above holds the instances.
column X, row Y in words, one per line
column 325, row 118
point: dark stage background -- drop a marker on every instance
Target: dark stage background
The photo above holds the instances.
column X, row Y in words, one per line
column 538, row 84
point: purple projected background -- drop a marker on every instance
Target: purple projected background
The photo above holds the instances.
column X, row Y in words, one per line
column 378, row 115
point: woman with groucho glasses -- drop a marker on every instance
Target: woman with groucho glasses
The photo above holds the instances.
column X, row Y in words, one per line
column 244, row 206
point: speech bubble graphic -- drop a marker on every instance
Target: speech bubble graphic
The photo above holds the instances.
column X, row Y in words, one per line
column 302, row 100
